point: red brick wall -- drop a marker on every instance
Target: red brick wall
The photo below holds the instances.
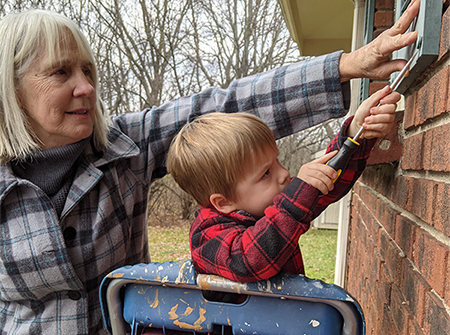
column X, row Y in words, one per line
column 398, row 259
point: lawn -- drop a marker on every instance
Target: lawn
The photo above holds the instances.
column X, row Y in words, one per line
column 318, row 248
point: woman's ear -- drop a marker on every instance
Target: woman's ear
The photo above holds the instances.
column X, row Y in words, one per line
column 222, row 204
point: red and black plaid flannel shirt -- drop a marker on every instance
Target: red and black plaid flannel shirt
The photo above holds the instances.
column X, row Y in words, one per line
column 240, row 248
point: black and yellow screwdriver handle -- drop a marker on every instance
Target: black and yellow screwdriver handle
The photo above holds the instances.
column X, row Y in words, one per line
column 340, row 161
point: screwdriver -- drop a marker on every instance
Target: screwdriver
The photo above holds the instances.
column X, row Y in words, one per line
column 340, row 161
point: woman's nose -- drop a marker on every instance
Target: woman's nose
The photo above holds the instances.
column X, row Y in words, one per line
column 83, row 86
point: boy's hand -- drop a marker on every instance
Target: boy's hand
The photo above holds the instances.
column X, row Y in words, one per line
column 377, row 121
column 318, row 174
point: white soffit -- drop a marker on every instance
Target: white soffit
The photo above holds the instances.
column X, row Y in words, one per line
column 319, row 26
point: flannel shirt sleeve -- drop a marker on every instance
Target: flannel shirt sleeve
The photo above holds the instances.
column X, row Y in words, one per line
column 355, row 167
column 239, row 248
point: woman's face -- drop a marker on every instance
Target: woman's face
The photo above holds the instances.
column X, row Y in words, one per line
column 59, row 99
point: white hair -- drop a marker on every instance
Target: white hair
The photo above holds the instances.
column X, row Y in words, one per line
column 26, row 37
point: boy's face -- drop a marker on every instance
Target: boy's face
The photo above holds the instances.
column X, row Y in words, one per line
column 261, row 183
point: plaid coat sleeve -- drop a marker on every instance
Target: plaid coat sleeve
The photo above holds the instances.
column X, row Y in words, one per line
column 288, row 99
column 239, row 248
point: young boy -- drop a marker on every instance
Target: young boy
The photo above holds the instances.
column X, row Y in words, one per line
column 252, row 213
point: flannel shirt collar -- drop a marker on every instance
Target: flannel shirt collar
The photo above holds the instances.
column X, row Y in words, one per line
column 240, row 215
column 120, row 147
column 7, row 180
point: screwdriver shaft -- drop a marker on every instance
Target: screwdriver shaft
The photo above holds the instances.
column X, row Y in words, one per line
column 393, row 86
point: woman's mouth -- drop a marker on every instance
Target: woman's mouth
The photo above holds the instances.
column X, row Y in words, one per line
column 78, row 112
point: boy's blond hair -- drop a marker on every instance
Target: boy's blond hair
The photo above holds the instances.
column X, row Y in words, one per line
column 210, row 154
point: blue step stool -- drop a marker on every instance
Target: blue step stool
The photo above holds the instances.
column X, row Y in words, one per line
column 170, row 296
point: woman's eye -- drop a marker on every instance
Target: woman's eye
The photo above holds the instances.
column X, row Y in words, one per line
column 87, row 72
column 60, row 72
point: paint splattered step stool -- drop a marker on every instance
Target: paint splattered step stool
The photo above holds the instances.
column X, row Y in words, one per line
column 169, row 298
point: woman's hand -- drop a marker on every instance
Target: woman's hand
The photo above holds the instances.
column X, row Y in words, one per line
column 373, row 60
column 318, row 174
column 376, row 120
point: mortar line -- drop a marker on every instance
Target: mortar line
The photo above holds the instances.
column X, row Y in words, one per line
column 434, row 122
column 439, row 177
column 440, row 236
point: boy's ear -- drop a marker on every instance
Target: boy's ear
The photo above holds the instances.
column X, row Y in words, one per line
column 221, row 203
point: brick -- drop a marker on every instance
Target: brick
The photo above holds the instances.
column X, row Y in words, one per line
column 412, row 156
column 373, row 229
column 364, row 237
column 414, row 288
column 405, row 234
column 390, row 254
column 364, row 297
column 384, row 4
column 413, row 327
column 384, row 285
column 437, row 319
column 441, row 215
column 380, row 177
column 381, row 296
column 387, row 216
column 447, row 284
column 431, row 258
column 432, row 97
column 409, row 117
column 420, row 198
column 372, row 319
column 372, row 226
column 427, row 146
column 370, row 267
column 375, row 86
column 400, row 191
column 369, row 288
column 439, row 149
column 389, row 326
column 383, row 19
column 353, row 263
column 399, row 310
column 373, row 316
column 389, row 148
column 369, row 199
column 357, row 187
column 444, row 45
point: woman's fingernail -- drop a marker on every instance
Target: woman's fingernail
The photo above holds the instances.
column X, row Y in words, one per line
column 367, row 119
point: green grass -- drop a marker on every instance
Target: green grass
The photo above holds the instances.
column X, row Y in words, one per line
column 168, row 244
column 318, row 249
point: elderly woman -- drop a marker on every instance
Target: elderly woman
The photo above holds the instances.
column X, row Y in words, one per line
column 74, row 183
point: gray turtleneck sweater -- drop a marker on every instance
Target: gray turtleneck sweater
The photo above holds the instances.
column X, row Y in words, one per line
column 52, row 170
